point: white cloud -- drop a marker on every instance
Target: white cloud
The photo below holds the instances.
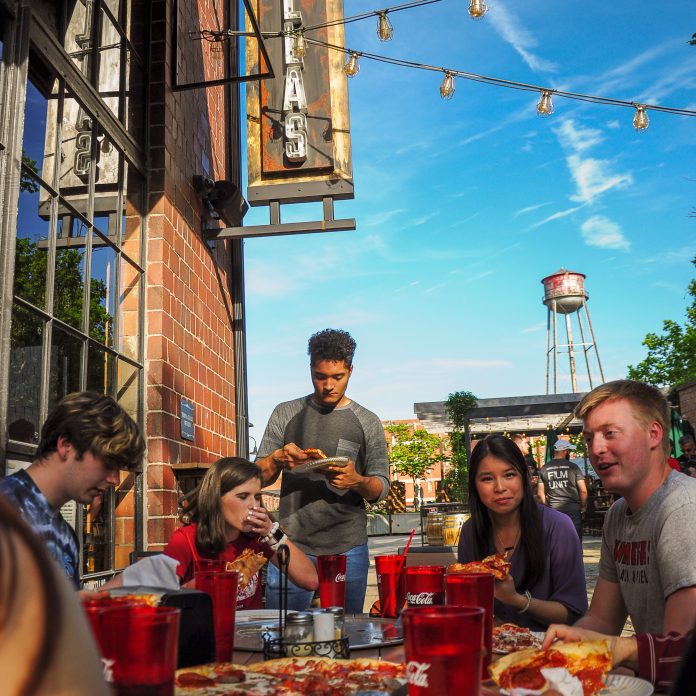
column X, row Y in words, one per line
column 577, row 138
column 529, row 209
column 383, row 216
column 534, row 329
column 602, row 232
column 523, row 41
column 556, row 216
column 261, row 279
column 614, row 124
column 593, row 178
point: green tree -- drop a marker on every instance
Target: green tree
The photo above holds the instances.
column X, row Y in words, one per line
column 671, row 358
column 415, row 452
column 457, row 406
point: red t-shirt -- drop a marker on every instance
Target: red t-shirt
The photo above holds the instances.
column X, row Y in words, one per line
column 182, row 547
column 674, row 463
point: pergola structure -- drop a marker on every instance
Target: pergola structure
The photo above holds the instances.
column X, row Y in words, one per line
column 527, row 414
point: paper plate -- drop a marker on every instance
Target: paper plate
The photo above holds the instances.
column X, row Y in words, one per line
column 319, row 464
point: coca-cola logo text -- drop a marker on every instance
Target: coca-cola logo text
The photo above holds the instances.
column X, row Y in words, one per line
column 420, row 598
column 341, row 577
column 417, row 673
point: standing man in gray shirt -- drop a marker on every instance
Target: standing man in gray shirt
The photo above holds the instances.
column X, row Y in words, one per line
column 324, row 511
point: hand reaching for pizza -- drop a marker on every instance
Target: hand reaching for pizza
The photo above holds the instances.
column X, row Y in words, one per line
column 623, row 650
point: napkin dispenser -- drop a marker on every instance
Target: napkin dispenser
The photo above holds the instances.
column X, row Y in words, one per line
column 196, row 637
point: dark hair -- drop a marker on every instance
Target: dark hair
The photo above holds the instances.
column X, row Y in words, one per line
column 14, row 532
column 94, row 423
column 203, row 504
column 531, row 529
column 331, row 344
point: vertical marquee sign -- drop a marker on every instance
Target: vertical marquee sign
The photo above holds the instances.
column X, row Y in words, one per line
column 298, row 135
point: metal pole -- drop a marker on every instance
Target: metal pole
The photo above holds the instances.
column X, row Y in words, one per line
column 594, row 340
column 571, row 354
column 555, row 348
column 548, row 346
column 586, row 348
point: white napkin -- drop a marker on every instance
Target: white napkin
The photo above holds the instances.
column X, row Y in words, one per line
column 558, row 678
column 153, row 571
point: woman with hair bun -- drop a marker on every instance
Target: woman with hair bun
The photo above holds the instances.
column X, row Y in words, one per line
column 224, row 517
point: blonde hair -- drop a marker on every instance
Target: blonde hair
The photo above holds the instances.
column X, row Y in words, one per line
column 647, row 404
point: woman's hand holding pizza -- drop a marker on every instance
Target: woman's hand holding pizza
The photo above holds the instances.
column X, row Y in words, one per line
column 506, row 593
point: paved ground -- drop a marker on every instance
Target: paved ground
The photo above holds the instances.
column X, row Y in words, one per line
column 391, row 544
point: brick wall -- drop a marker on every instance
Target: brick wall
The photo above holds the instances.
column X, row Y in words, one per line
column 189, row 341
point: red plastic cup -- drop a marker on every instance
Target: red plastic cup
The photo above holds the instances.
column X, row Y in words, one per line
column 203, row 564
column 391, row 584
column 425, row 585
column 443, row 650
column 474, row 590
column 332, row 580
column 140, row 646
column 222, row 588
column 93, row 608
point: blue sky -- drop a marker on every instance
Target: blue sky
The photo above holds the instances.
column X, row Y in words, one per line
column 463, row 206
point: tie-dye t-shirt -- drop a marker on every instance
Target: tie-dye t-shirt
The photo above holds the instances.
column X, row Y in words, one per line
column 46, row 522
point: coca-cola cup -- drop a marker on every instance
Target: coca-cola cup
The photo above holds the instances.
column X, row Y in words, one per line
column 425, row 585
column 391, row 584
column 474, row 590
column 443, row 647
column 332, row 580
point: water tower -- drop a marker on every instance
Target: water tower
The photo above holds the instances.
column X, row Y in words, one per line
column 564, row 293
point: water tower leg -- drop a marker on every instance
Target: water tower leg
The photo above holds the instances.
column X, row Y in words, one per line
column 555, row 349
column 586, row 347
column 548, row 346
column 571, row 354
column 594, row 341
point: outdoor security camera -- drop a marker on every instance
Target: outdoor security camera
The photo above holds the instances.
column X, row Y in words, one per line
column 228, row 202
column 203, row 184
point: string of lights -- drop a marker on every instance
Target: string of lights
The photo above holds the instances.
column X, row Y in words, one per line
column 544, row 106
column 476, row 9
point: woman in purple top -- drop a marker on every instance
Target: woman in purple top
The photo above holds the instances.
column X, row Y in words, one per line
column 546, row 583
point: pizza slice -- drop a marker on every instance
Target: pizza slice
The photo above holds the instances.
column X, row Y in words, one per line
column 589, row 661
column 248, row 564
column 320, row 675
column 509, row 637
column 315, row 453
column 498, row 566
column 227, row 679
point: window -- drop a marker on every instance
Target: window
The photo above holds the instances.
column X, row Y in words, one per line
column 78, row 284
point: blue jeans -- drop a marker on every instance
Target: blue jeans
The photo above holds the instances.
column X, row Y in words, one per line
column 357, row 563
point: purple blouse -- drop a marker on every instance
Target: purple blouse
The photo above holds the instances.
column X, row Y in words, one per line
column 563, row 579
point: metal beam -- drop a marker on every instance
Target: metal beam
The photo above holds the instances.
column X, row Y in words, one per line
column 283, row 228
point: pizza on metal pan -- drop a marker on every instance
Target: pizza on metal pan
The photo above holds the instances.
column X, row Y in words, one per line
column 291, row 677
column 589, row 661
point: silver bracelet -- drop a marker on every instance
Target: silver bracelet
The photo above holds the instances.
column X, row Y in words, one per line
column 528, row 595
column 269, row 538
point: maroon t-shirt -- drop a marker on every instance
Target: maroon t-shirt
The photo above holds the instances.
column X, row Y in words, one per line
column 182, row 547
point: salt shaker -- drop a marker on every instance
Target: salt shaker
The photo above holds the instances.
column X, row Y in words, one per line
column 298, row 634
column 339, row 621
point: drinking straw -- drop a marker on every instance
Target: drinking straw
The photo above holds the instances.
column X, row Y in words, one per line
column 403, row 555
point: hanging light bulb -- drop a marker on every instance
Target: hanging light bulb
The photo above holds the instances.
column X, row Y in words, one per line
column 544, row 105
column 385, row 31
column 447, row 86
column 641, row 120
column 299, row 45
column 352, row 66
column 477, row 9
